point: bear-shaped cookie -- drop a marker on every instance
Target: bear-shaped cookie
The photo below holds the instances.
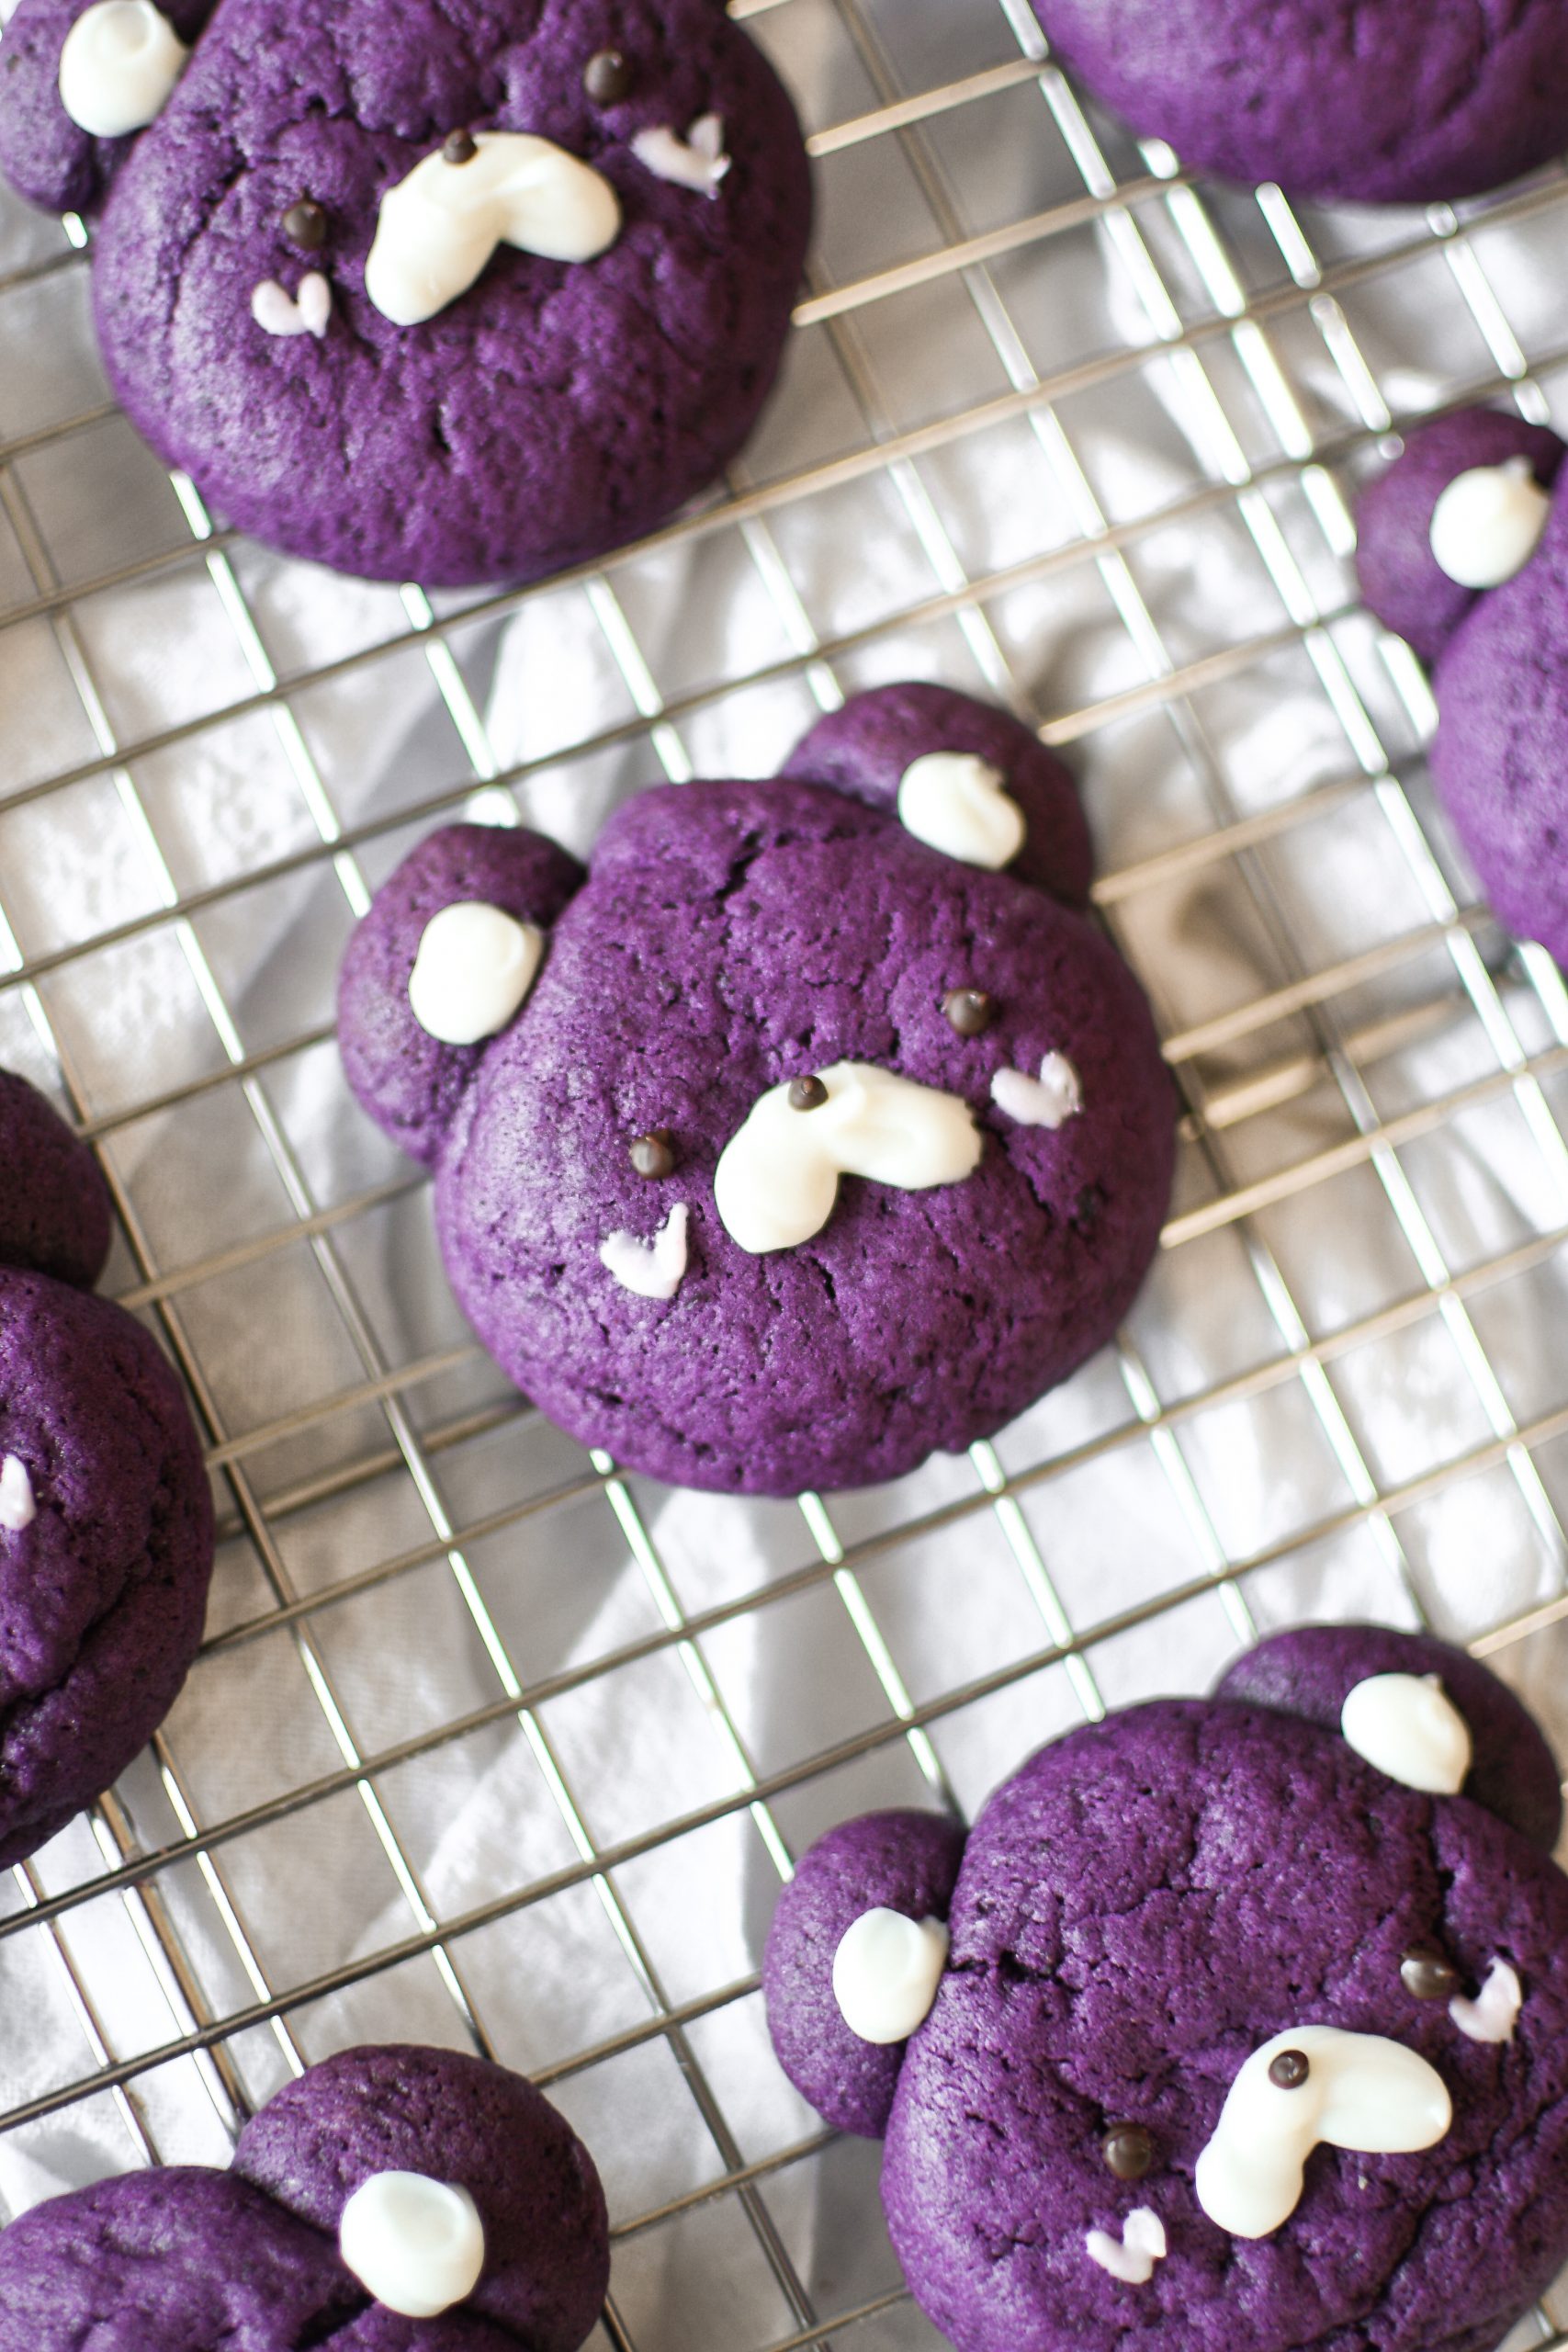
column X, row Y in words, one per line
column 106, row 1515
column 1378, row 101
column 1463, row 550
column 439, row 289
column 1235, row 2025
column 817, row 1128
column 392, row 2200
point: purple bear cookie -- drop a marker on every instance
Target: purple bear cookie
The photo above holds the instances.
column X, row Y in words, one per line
column 106, row 1515
column 1381, row 101
column 1464, row 550
column 446, row 289
column 392, row 2200
column 800, row 1137
column 1237, row 2025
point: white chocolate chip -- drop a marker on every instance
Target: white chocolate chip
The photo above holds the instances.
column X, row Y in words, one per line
column 959, row 804
column 886, row 1972
column 17, row 1508
column 1409, row 1727
column 475, row 966
column 418, row 2246
column 1487, row 524
column 118, row 65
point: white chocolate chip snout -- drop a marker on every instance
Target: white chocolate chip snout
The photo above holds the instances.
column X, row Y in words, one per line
column 118, row 66
column 1313, row 2084
column 438, row 228
column 886, row 1974
column 416, row 2245
column 1488, row 522
column 777, row 1178
column 476, row 964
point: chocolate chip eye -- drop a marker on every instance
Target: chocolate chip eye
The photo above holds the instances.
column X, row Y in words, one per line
column 970, row 1010
column 1429, row 1973
column 607, row 76
column 1290, row 2070
column 1128, row 2150
column 653, row 1154
column 460, row 147
column 307, row 224
column 807, row 1094
column 1087, row 1208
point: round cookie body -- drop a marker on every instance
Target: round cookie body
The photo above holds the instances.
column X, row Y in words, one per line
column 555, row 410
column 54, row 1207
column 1395, row 102
column 103, row 1591
column 731, row 937
column 546, row 2231
column 1141, row 1907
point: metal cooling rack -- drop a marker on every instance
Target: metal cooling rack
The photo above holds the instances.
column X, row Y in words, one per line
column 488, row 1745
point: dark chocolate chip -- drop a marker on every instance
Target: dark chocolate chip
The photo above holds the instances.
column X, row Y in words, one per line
column 1290, row 2070
column 1429, row 1975
column 461, row 147
column 607, row 76
column 971, row 1011
column 807, row 1094
column 306, row 224
column 1087, row 1208
column 1128, row 2150
column 652, row 1153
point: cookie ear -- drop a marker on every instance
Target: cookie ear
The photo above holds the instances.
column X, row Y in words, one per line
column 444, row 2180
column 440, row 965
column 1418, row 1709
column 54, row 1205
column 78, row 80
column 1458, row 511
column 855, row 1954
column 965, row 777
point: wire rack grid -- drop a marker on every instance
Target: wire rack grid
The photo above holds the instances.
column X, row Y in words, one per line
column 487, row 1743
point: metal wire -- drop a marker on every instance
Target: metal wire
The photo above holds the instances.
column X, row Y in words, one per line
column 1286, row 1094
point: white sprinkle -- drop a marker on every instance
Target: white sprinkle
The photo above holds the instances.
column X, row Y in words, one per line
column 1048, row 1101
column 1131, row 2258
column 1495, row 2011
column 17, row 1509
column 651, row 1268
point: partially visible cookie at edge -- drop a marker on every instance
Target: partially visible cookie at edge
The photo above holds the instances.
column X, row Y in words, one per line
column 106, row 1514
column 468, row 291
